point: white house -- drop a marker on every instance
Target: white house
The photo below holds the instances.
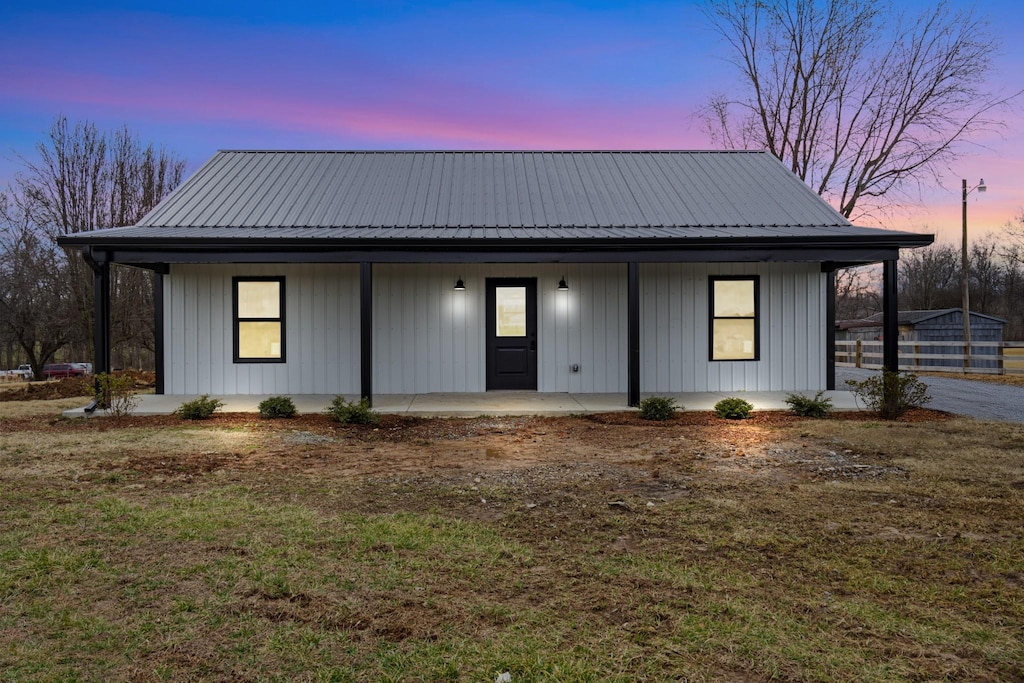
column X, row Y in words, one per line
column 348, row 272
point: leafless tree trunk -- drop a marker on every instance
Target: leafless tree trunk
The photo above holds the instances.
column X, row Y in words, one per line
column 84, row 179
column 858, row 100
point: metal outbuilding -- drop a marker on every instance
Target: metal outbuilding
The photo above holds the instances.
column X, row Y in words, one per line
column 934, row 326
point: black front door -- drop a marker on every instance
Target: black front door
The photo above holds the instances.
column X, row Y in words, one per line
column 512, row 333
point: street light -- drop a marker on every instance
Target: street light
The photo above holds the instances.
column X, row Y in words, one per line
column 965, row 298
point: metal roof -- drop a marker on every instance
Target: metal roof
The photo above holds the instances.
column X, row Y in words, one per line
column 442, row 194
column 910, row 318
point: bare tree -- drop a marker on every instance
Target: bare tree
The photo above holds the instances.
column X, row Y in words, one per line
column 857, row 296
column 1014, row 248
column 858, row 100
column 83, row 179
column 35, row 302
column 930, row 278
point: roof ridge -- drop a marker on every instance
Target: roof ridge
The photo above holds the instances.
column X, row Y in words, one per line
column 492, row 151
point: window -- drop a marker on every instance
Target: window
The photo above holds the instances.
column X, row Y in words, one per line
column 734, row 318
column 510, row 305
column 259, row 319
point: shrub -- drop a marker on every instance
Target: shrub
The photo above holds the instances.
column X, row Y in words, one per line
column 198, row 409
column 277, row 406
column 805, row 406
column 891, row 393
column 116, row 393
column 352, row 412
column 733, row 409
column 658, row 408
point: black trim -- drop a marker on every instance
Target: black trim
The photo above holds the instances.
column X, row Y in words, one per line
column 366, row 331
column 236, row 320
column 101, row 317
column 882, row 240
column 633, row 333
column 712, row 279
column 507, row 252
column 890, row 317
column 158, row 330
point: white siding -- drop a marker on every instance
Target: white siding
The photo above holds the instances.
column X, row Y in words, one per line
column 674, row 329
column 430, row 338
column 321, row 324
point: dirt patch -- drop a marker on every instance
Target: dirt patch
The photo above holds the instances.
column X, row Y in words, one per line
column 618, row 453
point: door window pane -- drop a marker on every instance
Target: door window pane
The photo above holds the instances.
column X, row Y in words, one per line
column 510, row 313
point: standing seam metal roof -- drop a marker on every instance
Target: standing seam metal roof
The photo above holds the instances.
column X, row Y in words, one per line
column 503, row 194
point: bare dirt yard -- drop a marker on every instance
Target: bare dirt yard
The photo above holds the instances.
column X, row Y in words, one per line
column 586, row 548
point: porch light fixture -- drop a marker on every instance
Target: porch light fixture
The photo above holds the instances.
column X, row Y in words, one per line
column 460, row 286
column 562, row 287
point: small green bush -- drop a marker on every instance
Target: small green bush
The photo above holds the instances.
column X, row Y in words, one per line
column 658, row 408
column 353, row 412
column 198, row 409
column 805, row 406
column 891, row 393
column 277, row 406
column 116, row 393
column 733, row 409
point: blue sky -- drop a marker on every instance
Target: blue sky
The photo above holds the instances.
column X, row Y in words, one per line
column 200, row 76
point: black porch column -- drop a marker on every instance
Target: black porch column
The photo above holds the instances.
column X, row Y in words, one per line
column 633, row 335
column 158, row 330
column 100, row 313
column 830, row 330
column 890, row 317
column 366, row 330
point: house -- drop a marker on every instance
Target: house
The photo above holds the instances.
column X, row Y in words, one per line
column 944, row 325
column 357, row 272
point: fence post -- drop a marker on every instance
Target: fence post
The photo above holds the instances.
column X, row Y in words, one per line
column 1001, row 350
column 917, row 352
column 858, row 353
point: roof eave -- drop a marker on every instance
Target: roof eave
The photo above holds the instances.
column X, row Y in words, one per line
column 901, row 240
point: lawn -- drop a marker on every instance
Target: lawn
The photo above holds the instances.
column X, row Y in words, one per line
column 556, row 549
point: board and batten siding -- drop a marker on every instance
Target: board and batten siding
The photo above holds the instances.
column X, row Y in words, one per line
column 321, row 324
column 430, row 338
column 674, row 320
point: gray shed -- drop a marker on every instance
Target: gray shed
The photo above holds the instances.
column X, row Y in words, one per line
column 933, row 326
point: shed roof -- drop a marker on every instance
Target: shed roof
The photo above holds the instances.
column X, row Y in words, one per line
column 911, row 318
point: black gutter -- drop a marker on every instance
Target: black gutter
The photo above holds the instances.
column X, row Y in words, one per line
column 896, row 240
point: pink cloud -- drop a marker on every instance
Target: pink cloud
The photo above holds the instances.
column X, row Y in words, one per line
column 414, row 115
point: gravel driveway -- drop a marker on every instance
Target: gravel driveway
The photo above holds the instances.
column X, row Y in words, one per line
column 982, row 400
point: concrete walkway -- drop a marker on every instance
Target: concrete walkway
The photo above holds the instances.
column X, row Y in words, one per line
column 489, row 403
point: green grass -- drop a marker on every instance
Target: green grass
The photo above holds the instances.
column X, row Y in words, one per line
column 283, row 575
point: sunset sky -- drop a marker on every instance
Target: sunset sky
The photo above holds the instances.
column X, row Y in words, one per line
column 202, row 76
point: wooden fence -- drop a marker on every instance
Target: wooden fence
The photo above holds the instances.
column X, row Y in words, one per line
column 993, row 358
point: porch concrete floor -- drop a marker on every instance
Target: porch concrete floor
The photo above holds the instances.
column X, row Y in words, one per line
column 489, row 403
